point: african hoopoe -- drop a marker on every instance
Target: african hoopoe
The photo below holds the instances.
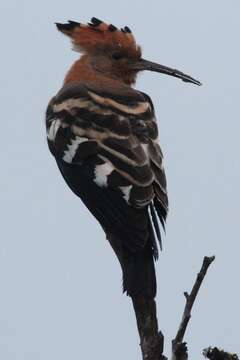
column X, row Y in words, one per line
column 104, row 137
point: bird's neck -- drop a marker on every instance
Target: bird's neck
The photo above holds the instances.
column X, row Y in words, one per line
column 84, row 71
column 81, row 70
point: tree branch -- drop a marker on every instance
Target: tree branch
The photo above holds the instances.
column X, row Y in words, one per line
column 151, row 340
column 216, row 354
column 179, row 349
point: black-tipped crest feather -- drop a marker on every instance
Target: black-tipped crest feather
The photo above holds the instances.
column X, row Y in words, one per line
column 95, row 22
column 67, row 27
column 74, row 23
column 127, row 29
column 112, row 28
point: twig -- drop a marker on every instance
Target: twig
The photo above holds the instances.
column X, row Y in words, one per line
column 216, row 354
column 179, row 349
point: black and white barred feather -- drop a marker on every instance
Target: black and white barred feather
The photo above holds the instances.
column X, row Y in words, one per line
column 106, row 147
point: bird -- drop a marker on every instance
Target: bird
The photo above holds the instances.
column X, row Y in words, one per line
column 104, row 136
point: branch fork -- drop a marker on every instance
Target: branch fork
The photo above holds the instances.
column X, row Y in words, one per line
column 152, row 341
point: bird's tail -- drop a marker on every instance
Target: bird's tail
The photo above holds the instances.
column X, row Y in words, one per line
column 139, row 279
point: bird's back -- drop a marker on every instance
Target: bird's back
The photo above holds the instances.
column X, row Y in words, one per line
column 105, row 144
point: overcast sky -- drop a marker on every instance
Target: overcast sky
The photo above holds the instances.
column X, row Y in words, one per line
column 60, row 282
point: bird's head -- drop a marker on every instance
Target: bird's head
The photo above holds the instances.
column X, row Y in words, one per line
column 113, row 53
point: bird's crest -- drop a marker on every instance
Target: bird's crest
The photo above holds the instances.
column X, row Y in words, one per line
column 99, row 36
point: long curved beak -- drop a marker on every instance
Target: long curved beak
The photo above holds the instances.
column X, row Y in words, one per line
column 149, row 65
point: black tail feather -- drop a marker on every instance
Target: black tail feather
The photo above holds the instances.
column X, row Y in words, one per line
column 139, row 277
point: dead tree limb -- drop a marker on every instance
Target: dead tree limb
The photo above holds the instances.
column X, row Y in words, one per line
column 151, row 340
column 216, row 354
column 179, row 348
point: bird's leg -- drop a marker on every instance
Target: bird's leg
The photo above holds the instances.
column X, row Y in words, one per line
column 151, row 340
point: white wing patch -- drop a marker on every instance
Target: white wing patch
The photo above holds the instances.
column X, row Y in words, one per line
column 52, row 131
column 126, row 192
column 101, row 173
column 72, row 148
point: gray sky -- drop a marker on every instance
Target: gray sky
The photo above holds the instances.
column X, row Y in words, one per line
column 60, row 282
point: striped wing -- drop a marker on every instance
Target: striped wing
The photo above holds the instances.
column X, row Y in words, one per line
column 117, row 134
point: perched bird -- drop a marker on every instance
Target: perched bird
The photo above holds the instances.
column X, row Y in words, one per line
column 104, row 137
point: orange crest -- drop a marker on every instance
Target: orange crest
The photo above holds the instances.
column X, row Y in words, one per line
column 99, row 36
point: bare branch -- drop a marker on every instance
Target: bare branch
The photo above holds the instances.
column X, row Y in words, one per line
column 216, row 354
column 151, row 340
column 179, row 349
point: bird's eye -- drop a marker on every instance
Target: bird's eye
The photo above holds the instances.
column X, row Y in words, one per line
column 117, row 55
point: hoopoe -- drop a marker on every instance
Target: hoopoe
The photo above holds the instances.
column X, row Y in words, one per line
column 104, row 137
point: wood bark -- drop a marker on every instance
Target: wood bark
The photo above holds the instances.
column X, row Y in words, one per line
column 151, row 340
